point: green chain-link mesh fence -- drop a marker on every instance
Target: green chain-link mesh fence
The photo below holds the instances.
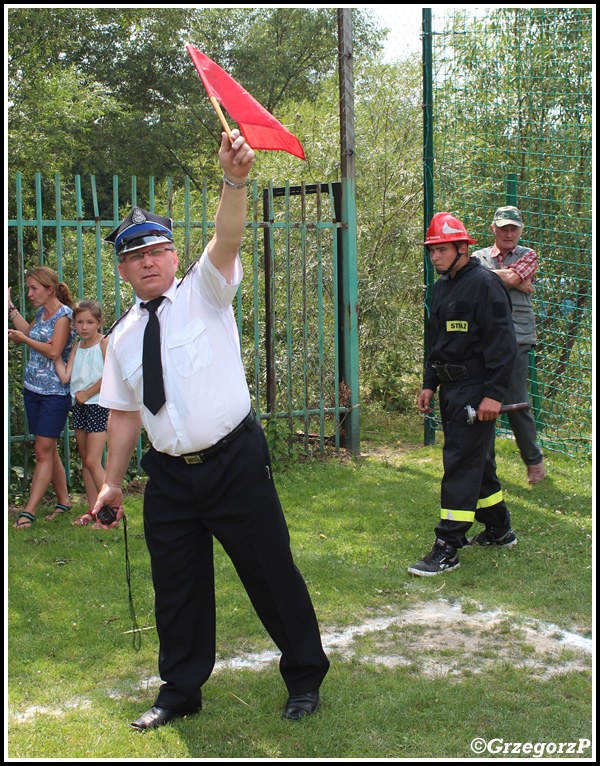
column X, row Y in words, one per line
column 512, row 124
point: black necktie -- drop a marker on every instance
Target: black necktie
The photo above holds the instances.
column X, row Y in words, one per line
column 154, row 388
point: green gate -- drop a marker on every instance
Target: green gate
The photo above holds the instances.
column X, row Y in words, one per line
column 290, row 308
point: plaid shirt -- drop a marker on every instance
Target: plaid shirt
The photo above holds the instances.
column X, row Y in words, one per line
column 525, row 266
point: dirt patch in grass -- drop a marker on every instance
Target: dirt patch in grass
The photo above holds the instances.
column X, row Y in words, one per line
column 393, row 453
column 439, row 638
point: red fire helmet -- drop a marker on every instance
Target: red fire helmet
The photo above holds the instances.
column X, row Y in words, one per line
column 444, row 227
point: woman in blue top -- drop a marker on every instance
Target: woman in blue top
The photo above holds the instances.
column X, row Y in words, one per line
column 47, row 399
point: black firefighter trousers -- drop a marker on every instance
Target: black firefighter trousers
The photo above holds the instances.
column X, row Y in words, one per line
column 470, row 487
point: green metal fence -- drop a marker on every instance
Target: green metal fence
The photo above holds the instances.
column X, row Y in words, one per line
column 511, row 123
column 289, row 308
column 507, row 108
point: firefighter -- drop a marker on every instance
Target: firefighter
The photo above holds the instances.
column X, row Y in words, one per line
column 472, row 346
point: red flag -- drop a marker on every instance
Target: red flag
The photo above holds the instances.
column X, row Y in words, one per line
column 261, row 130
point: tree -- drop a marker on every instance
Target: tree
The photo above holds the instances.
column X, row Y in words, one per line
column 124, row 93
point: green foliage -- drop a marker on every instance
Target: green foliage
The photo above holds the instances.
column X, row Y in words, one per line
column 280, row 439
column 392, row 382
column 154, row 118
column 389, row 216
column 113, row 91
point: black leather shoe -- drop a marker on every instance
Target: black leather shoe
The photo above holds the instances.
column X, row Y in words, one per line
column 299, row 705
column 155, row 717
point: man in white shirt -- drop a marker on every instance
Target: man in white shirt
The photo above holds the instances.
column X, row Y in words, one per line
column 209, row 467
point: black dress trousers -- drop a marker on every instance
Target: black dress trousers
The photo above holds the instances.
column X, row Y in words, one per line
column 232, row 497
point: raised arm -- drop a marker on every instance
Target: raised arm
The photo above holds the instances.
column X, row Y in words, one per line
column 236, row 160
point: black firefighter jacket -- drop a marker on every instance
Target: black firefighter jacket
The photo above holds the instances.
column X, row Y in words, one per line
column 470, row 324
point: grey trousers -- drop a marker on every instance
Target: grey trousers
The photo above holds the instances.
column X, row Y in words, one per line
column 521, row 422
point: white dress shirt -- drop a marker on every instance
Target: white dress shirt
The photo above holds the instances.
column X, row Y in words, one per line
column 205, row 385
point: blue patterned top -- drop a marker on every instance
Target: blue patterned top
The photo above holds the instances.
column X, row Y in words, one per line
column 40, row 375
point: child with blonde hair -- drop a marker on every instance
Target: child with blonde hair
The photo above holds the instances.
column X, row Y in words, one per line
column 84, row 371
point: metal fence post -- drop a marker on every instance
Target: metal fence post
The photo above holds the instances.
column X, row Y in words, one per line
column 428, row 197
column 348, row 263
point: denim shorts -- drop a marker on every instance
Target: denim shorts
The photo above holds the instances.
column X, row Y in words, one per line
column 46, row 413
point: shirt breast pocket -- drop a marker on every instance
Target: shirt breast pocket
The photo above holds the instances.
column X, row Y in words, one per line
column 457, row 317
column 131, row 368
column 189, row 348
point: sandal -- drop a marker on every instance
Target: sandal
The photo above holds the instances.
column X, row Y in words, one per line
column 28, row 520
column 84, row 520
column 97, row 525
column 56, row 512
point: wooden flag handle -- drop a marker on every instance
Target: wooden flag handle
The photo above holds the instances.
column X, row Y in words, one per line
column 221, row 116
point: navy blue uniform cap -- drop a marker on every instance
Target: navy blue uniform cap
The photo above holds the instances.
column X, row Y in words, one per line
column 139, row 229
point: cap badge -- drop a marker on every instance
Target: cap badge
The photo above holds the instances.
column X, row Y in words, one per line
column 138, row 216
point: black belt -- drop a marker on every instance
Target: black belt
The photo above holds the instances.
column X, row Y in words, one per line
column 448, row 372
column 201, row 457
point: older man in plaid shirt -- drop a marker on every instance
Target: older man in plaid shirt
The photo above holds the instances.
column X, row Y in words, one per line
column 516, row 266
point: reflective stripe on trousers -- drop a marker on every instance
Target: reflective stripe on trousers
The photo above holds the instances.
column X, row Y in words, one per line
column 483, row 502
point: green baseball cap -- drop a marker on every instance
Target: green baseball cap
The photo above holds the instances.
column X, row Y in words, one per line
column 509, row 214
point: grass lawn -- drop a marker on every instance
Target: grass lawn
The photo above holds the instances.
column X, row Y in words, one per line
column 421, row 667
